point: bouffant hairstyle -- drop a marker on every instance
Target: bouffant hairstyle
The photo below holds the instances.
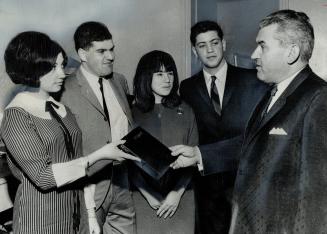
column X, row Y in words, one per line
column 29, row 56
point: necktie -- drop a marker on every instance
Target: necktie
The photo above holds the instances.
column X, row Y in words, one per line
column 272, row 94
column 105, row 108
column 215, row 96
column 49, row 107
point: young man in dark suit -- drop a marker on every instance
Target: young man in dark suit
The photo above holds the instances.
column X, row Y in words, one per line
column 222, row 97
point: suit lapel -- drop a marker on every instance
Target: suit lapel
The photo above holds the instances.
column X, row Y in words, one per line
column 278, row 105
column 202, row 89
column 88, row 93
column 121, row 98
column 229, row 86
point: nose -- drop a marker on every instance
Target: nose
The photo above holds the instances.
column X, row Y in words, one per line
column 255, row 53
column 166, row 77
column 110, row 55
column 209, row 48
column 61, row 73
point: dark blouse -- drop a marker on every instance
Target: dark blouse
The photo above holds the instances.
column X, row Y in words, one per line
column 172, row 127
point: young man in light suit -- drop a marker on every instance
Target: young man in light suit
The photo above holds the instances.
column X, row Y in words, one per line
column 97, row 97
column 222, row 106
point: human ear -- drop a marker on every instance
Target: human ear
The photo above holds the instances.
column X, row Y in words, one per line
column 194, row 51
column 293, row 54
column 82, row 54
column 224, row 44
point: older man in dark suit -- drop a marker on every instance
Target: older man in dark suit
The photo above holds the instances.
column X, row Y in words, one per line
column 281, row 185
column 97, row 97
column 222, row 97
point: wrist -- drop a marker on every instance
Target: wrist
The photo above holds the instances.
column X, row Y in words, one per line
column 197, row 154
column 91, row 213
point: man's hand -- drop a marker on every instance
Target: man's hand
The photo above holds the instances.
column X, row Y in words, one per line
column 188, row 156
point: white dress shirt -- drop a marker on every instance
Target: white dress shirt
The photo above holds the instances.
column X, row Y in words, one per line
column 281, row 87
column 118, row 119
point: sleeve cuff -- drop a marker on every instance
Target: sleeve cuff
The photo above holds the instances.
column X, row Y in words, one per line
column 199, row 156
column 68, row 172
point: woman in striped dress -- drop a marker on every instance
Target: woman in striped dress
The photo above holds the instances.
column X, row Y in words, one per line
column 44, row 142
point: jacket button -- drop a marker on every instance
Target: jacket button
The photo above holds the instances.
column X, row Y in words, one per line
column 105, row 119
column 108, row 142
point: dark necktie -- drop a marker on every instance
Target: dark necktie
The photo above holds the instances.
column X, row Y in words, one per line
column 272, row 94
column 215, row 96
column 105, row 108
column 49, row 107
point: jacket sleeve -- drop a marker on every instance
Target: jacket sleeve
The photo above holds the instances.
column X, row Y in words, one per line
column 221, row 156
column 312, row 215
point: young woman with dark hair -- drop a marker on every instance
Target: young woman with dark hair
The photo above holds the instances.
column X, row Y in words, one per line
column 44, row 143
column 159, row 110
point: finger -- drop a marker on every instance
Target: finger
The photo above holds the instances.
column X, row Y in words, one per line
column 175, row 147
column 130, row 157
column 172, row 213
column 119, row 142
column 162, row 210
column 180, row 162
column 174, row 165
column 167, row 213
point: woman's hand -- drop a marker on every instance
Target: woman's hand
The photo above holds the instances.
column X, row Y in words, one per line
column 153, row 202
column 94, row 227
column 170, row 204
column 112, row 152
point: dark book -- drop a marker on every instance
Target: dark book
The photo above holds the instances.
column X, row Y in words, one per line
column 155, row 156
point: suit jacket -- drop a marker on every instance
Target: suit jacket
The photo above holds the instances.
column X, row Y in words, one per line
column 83, row 103
column 221, row 137
column 281, row 185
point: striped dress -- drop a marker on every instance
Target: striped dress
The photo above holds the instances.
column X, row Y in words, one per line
column 34, row 144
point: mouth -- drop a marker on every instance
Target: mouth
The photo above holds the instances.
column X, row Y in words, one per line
column 212, row 57
column 109, row 63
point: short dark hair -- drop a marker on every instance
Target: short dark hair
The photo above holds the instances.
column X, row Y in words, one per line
column 88, row 32
column 29, row 56
column 205, row 26
column 149, row 64
column 293, row 27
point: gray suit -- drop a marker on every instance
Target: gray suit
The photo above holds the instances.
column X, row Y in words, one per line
column 112, row 196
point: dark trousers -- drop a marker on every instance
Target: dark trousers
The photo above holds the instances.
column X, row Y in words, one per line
column 213, row 196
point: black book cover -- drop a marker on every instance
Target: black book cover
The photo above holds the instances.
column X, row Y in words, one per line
column 156, row 157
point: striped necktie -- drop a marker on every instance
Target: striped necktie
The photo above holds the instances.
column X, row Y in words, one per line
column 273, row 92
column 215, row 96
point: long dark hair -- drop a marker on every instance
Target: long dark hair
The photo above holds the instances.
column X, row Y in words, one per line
column 149, row 64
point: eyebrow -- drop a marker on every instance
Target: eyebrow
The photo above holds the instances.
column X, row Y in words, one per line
column 104, row 49
column 214, row 39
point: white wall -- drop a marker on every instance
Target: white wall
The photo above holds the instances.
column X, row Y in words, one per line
column 317, row 11
column 138, row 26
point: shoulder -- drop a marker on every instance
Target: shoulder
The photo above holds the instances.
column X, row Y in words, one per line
column 239, row 72
column 190, row 83
column 119, row 78
column 245, row 77
column 193, row 78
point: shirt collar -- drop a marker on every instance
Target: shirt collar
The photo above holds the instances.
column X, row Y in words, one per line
column 220, row 74
column 281, row 86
